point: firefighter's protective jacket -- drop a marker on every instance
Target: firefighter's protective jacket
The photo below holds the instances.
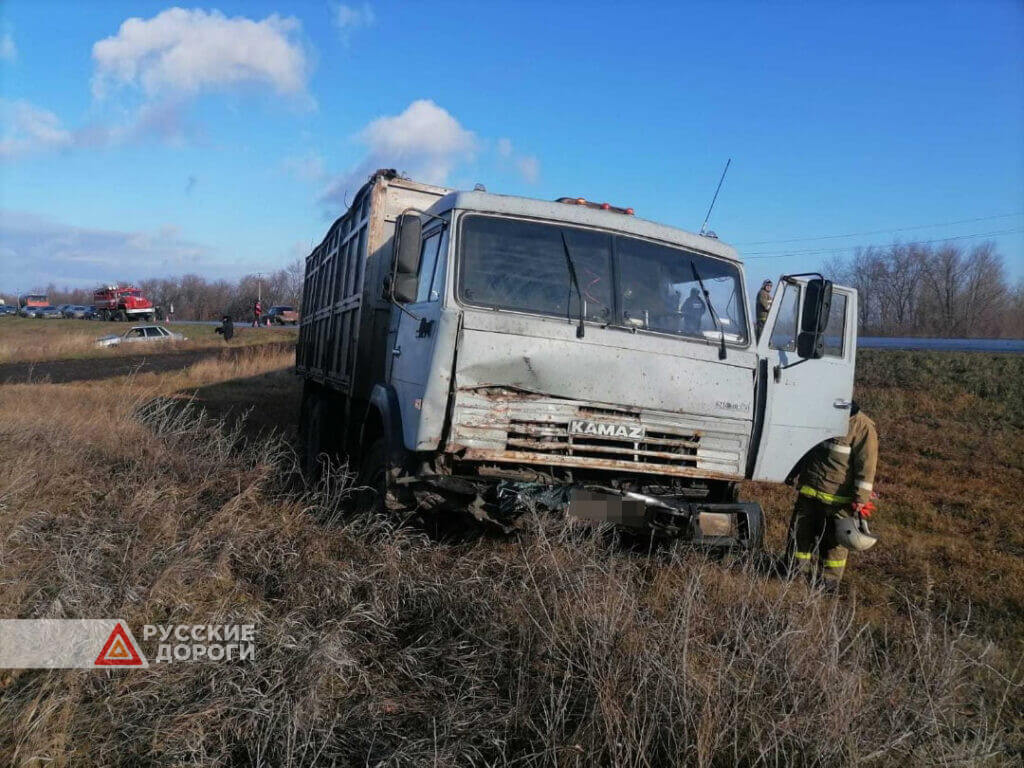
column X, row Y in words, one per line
column 842, row 470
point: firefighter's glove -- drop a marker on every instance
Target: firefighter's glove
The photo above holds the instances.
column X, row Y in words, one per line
column 863, row 509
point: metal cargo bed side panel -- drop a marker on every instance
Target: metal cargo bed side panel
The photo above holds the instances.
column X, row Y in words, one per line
column 332, row 296
column 340, row 344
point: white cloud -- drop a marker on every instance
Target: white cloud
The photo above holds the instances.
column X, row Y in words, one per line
column 170, row 58
column 182, row 51
column 8, row 50
column 27, row 129
column 424, row 141
column 425, row 136
column 348, row 18
column 505, row 147
column 37, row 250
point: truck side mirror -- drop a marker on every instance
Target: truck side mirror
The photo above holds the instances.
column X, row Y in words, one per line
column 408, row 231
column 810, row 342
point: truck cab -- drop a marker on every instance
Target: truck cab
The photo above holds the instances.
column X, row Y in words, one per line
column 577, row 351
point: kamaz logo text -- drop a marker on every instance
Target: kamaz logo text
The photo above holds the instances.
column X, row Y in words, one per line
column 629, row 431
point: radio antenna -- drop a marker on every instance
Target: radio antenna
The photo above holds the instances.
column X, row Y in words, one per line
column 704, row 226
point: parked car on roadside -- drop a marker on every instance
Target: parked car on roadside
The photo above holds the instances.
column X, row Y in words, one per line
column 76, row 311
column 282, row 315
column 28, row 311
column 8, row 310
column 140, row 333
column 48, row 313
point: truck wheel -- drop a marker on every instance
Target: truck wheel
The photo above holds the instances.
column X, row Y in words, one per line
column 121, row 316
column 374, row 482
column 311, row 433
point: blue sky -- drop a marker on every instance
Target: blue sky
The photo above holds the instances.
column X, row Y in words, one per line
column 221, row 139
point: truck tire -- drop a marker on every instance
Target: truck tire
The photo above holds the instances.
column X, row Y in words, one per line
column 121, row 316
column 311, row 434
column 374, row 481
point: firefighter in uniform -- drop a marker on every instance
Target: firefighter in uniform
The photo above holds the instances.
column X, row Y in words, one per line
column 835, row 481
column 764, row 303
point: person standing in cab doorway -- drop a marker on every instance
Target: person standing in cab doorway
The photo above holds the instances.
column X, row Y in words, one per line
column 764, row 305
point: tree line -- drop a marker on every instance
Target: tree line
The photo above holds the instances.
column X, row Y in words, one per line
column 947, row 290
column 193, row 297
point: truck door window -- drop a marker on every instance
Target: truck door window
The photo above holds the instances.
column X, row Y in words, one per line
column 428, row 258
column 437, row 283
column 835, row 331
column 784, row 331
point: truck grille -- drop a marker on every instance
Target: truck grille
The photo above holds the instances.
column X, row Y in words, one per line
column 516, row 427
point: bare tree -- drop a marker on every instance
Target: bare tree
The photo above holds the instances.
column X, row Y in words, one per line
column 915, row 289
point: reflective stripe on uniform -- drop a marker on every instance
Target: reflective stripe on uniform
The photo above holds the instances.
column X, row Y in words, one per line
column 864, row 485
column 840, row 448
column 828, row 498
column 834, row 563
column 802, row 555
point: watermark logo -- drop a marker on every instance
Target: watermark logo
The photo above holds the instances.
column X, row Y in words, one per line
column 202, row 642
column 119, row 651
column 69, row 644
column 110, row 644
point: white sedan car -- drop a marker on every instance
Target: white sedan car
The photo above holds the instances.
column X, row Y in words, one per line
column 139, row 333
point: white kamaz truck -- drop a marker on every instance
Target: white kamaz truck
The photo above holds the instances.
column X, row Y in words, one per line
column 471, row 350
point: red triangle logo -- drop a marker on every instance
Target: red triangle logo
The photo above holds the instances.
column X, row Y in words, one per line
column 119, row 650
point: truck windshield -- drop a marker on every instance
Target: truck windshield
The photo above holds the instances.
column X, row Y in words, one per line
column 624, row 281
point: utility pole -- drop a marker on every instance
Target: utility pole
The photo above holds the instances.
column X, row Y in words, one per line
column 259, row 286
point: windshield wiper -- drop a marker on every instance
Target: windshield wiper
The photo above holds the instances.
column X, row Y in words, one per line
column 714, row 314
column 576, row 283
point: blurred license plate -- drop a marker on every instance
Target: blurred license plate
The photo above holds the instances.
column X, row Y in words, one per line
column 606, row 508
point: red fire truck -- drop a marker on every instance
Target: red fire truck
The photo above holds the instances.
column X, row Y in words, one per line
column 121, row 302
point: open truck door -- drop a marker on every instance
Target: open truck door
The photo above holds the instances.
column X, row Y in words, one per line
column 807, row 353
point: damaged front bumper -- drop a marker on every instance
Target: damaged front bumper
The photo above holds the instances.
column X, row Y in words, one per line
column 710, row 524
column 738, row 524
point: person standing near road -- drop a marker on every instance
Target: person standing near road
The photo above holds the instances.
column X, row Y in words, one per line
column 764, row 304
column 227, row 328
column 257, row 310
column 835, row 482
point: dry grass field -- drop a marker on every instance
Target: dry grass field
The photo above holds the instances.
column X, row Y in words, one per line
column 171, row 496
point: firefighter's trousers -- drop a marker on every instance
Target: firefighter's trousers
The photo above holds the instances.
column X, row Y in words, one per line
column 812, row 549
